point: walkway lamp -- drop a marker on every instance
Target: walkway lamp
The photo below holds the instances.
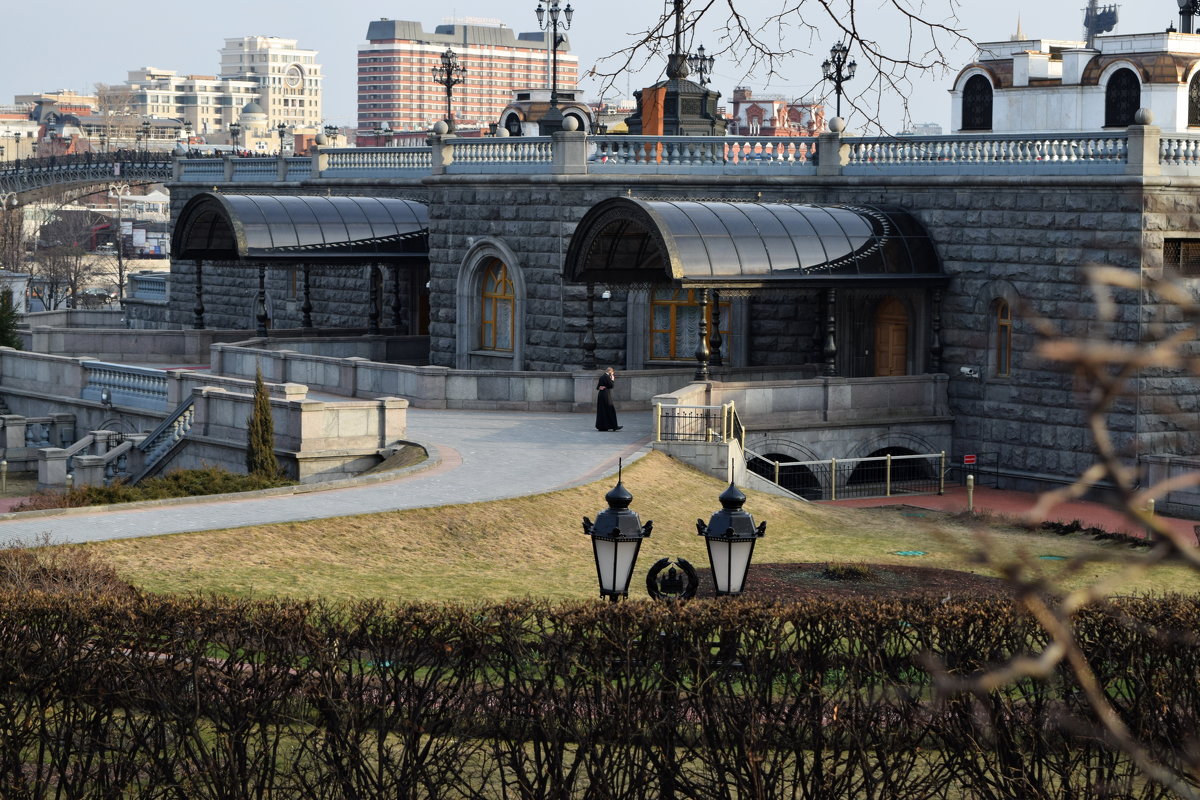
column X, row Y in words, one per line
column 559, row 18
column 449, row 74
column 331, row 132
column 235, row 131
column 838, row 70
column 730, row 535
column 281, row 129
column 616, row 538
column 702, row 65
column 146, row 133
column 1187, row 10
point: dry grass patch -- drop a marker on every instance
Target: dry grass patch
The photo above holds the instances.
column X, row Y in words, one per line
column 534, row 546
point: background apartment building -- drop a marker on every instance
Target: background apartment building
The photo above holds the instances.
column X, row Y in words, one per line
column 397, row 91
column 288, row 78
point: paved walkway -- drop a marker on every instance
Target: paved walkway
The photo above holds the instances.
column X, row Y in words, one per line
column 483, row 456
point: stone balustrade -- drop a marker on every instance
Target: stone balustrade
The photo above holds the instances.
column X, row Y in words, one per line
column 150, row 286
column 138, row 387
column 1137, row 150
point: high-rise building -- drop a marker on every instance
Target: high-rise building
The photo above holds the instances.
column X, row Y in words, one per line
column 289, row 79
column 207, row 102
column 397, row 91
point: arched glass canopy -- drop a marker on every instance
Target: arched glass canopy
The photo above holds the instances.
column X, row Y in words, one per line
column 744, row 245
column 216, row 226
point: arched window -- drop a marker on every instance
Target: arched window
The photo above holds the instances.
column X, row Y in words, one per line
column 977, row 104
column 1194, row 101
column 496, row 310
column 1003, row 349
column 1122, row 99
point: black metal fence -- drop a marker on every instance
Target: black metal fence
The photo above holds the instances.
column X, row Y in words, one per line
column 840, row 479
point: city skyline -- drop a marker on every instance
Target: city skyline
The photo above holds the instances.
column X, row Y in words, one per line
column 104, row 46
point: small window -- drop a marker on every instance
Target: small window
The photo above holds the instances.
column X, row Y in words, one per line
column 1194, row 102
column 1183, row 256
column 977, row 104
column 1003, row 339
column 496, row 313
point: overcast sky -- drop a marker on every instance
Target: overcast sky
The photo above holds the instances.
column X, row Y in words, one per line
column 73, row 44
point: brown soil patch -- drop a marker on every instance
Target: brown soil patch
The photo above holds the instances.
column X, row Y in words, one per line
column 786, row 582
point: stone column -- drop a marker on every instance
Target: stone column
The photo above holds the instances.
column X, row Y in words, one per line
column 570, row 152
column 832, row 154
column 1144, row 142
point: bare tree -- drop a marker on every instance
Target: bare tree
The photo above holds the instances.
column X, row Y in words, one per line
column 1107, row 368
column 923, row 33
column 12, row 238
column 114, row 110
column 61, row 265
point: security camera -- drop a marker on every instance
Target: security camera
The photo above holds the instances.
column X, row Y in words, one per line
column 968, row 372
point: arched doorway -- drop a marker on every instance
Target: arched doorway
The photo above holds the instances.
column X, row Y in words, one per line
column 1122, row 98
column 977, row 104
column 796, row 478
column 891, row 338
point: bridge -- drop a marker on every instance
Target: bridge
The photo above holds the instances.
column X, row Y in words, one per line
column 31, row 179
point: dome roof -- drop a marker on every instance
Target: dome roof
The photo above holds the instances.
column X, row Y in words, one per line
column 253, row 108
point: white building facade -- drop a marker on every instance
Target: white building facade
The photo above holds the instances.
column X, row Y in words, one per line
column 1050, row 85
column 288, row 78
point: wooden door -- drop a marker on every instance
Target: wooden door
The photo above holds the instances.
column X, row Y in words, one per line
column 891, row 338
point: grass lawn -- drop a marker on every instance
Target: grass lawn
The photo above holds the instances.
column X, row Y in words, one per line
column 535, row 546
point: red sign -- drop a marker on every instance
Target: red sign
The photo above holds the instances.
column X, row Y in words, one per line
column 969, row 459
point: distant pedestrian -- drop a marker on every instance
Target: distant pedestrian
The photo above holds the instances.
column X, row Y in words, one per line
column 606, row 412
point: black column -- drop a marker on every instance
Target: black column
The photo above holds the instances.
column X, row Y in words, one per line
column 830, row 348
column 306, row 307
column 589, row 331
column 715, row 341
column 702, row 345
column 261, row 301
column 373, row 299
column 397, row 309
column 935, row 340
column 198, row 308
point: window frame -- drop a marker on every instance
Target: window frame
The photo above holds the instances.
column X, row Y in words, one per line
column 1002, row 346
column 674, row 303
column 495, row 289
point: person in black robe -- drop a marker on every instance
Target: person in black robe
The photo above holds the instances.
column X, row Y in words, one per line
column 606, row 412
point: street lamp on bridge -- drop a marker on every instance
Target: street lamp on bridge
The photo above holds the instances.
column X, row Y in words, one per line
column 120, row 191
column 837, row 69
column 235, row 131
column 449, row 74
column 552, row 120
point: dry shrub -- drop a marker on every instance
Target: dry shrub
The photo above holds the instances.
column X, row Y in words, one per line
column 41, row 567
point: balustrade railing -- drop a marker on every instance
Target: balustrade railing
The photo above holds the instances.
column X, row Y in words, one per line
column 503, row 150
column 1002, row 154
column 160, row 441
column 952, row 151
column 151, row 286
column 683, row 423
column 142, row 387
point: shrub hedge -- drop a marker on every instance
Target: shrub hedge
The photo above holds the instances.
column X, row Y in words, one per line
column 189, row 697
column 177, row 483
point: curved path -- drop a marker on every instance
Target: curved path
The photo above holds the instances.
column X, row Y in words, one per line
column 483, row 456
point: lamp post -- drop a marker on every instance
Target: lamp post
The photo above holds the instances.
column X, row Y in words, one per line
column 1187, row 10
column 838, row 70
column 553, row 119
column 146, row 133
column 702, row 65
column 235, row 131
column 449, row 74
column 331, row 132
column 616, row 538
column 281, row 129
column 120, row 191
column 730, row 535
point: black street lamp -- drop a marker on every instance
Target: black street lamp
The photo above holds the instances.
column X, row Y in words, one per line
column 449, row 74
column 616, row 538
column 553, row 119
column 146, row 133
column 702, row 65
column 281, row 129
column 1187, row 10
column 836, row 69
column 730, row 535
column 331, row 132
column 235, row 131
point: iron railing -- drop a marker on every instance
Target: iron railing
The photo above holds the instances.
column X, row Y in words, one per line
column 674, row 423
column 844, row 478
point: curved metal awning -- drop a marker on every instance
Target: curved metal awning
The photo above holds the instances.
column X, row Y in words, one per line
column 627, row 240
column 300, row 228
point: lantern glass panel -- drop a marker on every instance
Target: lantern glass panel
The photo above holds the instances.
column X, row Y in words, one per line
column 730, row 560
column 614, row 563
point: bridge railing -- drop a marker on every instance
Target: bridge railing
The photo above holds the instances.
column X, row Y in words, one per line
column 1139, row 150
column 31, row 174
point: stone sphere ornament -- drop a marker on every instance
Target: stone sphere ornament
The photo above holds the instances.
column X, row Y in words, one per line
column 1143, row 116
column 441, row 128
column 570, row 124
column 837, row 125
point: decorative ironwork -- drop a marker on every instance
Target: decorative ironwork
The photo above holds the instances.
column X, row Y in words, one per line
column 1122, row 99
column 702, row 344
column 716, row 341
column 835, row 479
column 1194, row 101
column 589, row 331
column 977, row 104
